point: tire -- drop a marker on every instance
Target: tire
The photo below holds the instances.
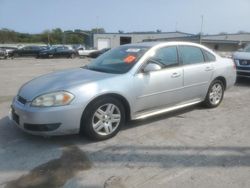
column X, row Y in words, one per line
column 72, row 56
column 15, row 55
column 102, row 119
column 215, row 94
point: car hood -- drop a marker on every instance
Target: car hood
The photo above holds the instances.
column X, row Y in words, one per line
column 58, row 81
column 242, row 55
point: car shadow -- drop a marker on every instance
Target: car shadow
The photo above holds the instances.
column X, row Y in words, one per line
column 47, row 159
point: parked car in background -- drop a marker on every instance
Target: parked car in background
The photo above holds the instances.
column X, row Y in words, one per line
column 97, row 53
column 242, row 61
column 85, row 52
column 57, row 51
column 27, row 51
column 3, row 53
column 9, row 50
column 132, row 81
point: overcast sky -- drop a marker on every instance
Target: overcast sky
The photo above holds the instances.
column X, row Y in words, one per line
column 35, row 16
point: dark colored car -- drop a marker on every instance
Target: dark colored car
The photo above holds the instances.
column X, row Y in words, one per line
column 242, row 61
column 97, row 53
column 27, row 51
column 59, row 51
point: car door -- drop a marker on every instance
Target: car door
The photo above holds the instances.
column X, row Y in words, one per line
column 58, row 52
column 197, row 73
column 24, row 51
column 33, row 51
column 159, row 88
column 64, row 52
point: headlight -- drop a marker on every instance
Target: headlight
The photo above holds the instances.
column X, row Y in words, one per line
column 53, row 99
column 236, row 61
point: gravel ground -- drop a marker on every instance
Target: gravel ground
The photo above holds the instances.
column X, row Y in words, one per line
column 193, row 147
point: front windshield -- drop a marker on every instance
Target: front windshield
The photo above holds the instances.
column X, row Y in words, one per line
column 247, row 49
column 119, row 60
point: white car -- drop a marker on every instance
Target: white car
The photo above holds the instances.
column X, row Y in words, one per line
column 132, row 81
column 84, row 52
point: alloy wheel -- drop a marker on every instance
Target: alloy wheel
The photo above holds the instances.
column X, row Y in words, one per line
column 106, row 119
column 216, row 93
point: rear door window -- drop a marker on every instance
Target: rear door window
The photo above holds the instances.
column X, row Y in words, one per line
column 208, row 56
column 191, row 55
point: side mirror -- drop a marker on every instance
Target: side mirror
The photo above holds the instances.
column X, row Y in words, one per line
column 150, row 67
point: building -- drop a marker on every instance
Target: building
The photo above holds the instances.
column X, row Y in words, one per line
column 111, row 40
column 221, row 42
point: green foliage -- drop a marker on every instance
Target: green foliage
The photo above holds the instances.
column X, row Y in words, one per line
column 54, row 36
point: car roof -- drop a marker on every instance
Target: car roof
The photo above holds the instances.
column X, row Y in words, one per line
column 152, row 44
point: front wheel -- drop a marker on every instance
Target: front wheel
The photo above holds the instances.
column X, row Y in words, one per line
column 215, row 94
column 72, row 56
column 103, row 118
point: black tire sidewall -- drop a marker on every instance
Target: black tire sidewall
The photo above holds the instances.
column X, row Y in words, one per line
column 86, row 123
column 207, row 101
column 72, row 56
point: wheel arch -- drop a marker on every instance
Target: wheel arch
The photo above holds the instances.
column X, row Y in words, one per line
column 119, row 97
column 223, row 80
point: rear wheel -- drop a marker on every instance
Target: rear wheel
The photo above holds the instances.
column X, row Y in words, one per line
column 103, row 118
column 215, row 94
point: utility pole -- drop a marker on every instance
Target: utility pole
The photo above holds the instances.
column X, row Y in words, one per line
column 97, row 24
column 176, row 26
column 201, row 29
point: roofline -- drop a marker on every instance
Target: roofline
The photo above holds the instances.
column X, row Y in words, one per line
column 144, row 33
column 196, row 38
column 247, row 33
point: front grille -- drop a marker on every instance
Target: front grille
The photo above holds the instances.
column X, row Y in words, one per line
column 21, row 100
column 244, row 62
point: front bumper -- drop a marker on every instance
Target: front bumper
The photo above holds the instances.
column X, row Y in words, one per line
column 242, row 70
column 243, row 73
column 46, row 121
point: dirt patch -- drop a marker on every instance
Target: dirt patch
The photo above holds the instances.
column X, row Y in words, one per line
column 5, row 99
column 54, row 173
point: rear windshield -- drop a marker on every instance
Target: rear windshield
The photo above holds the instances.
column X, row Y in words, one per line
column 119, row 60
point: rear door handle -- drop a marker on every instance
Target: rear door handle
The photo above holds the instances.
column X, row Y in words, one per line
column 208, row 68
column 175, row 75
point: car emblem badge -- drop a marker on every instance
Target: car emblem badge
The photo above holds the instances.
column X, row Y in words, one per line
column 244, row 62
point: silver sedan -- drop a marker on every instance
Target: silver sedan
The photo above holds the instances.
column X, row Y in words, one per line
column 129, row 82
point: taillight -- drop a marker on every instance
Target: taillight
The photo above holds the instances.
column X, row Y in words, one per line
column 235, row 62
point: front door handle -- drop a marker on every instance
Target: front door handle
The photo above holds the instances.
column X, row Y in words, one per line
column 175, row 75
